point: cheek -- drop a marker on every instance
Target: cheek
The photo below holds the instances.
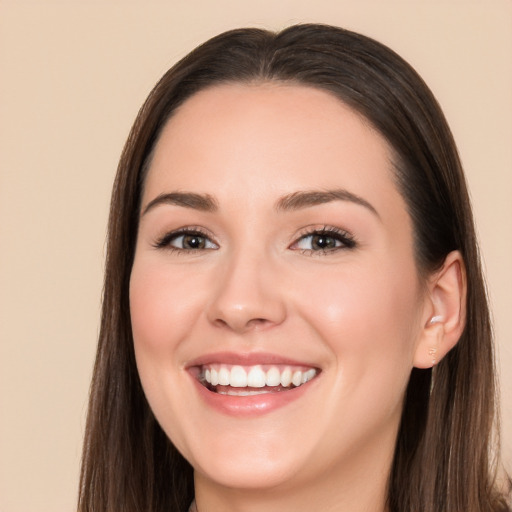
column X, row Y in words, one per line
column 367, row 317
column 161, row 310
column 162, row 315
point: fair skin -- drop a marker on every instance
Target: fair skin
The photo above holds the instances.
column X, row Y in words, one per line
column 253, row 271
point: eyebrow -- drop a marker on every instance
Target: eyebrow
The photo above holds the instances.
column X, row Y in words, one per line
column 291, row 202
column 202, row 202
column 308, row 198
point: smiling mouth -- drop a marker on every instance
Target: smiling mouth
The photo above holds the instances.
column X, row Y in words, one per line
column 237, row 380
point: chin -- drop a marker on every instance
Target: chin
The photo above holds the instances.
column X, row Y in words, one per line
column 249, row 472
column 248, row 454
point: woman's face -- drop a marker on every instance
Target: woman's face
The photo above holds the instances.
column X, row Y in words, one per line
column 275, row 260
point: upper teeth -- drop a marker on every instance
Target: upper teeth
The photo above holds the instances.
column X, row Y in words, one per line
column 256, row 376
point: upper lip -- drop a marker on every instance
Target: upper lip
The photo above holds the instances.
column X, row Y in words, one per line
column 246, row 359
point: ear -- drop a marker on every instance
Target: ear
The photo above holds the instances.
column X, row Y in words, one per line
column 445, row 312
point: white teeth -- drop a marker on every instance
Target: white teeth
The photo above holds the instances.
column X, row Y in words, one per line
column 255, row 377
column 273, row 377
column 224, row 376
column 286, row 377
column 307, row 376
column 297, row 378
column 242, row 392
column 238, row 377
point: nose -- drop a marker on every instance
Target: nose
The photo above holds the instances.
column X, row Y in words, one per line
column 247, row 295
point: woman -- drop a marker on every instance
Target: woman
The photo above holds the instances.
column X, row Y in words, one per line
column 294, row 313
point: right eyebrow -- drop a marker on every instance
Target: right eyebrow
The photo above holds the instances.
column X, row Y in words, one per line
column 203, row 202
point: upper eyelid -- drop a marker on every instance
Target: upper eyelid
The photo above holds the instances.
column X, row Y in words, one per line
column 329, row 231
column 199, row 230
column 319, row 229
column 165, row 239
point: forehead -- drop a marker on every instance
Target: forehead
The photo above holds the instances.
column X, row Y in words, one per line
column 239, row 140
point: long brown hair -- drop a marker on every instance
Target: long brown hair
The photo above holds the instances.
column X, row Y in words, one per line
column 443, row 460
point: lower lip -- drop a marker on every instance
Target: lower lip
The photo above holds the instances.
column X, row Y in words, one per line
column 251, row 405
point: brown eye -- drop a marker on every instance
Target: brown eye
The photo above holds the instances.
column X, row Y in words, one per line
column 323, row 242
column 186, row 241
column 191, row 242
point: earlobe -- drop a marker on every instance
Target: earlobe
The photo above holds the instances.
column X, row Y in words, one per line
column 445, row 312
column 430, row 349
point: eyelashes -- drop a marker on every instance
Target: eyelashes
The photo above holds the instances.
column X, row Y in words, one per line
column 186, row 239
column 324, row 240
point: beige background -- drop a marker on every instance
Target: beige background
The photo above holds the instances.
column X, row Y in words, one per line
column 72, row 77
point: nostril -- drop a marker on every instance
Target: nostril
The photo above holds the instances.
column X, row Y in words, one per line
column 244, row 309
column 243, row 326
column 220, row 323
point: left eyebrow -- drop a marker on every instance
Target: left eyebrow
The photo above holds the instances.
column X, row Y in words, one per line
column 308, row 198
